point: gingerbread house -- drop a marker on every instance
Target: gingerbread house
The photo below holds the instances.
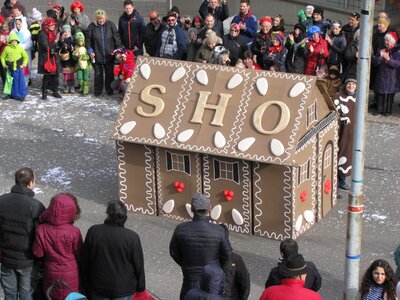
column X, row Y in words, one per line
column 262, row 145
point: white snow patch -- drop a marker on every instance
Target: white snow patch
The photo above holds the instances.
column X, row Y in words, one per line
column 57, row 176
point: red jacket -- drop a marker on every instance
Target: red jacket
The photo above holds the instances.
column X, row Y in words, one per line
column 59, row 243
column 314, row 59
column 125, row 68
column 289, row 289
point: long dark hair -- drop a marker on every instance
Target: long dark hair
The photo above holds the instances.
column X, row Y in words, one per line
column 389, row 286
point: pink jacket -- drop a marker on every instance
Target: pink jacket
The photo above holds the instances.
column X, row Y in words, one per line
column 59, row 243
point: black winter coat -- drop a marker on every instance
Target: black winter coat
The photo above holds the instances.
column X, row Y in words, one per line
column 313, row 278
column 102, row 40
column 112, row 261
column 197, row 243
column 19, row 216
column 236, row 46
column 151, row 38
column 220, row 13
column 43, row 43
column 337, row 49
column 261, row 43
column 295, row 57
column 132, row 30
column 237, row 279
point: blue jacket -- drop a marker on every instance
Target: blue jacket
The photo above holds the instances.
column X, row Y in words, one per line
column 251, row 26
column 131, row 29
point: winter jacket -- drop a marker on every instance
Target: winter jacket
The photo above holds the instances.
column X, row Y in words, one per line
column 172, row 43
column 197, row 243
column 132, row 30
column 59, row 243
column 211, row 284
column 19, row 214
column 151, row 38
column 205, row 54
column 350, row 58
column 13, row 56
column 6, row 10
column 289, row 289
column 237, row 279
column 236, row 47
column 251, row 26
column 261, row 43
column 218, row 29
column 348, row 32
column 220, row 13
column 126, row 68
column 337, row 49
column 275, row 60
column 313, row 279
column 315, row 59
column 295, row 57
column 387, row 79
column 112, row 261
column 43, row 46
column 102, row 40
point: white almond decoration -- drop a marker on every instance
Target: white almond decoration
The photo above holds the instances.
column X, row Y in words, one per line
column 202, row 77
column 219, row 140
column 127, row 127
column 262, row 86
column 237, row 217
column 336, row 102
column 297, row 89
column 168, row 206
column 298, row 224
column 216, row 212
column 342, row 160
column 235, row 81
column 277, row 148
column 309, row 216
column 189, row 209
column 178, row 74
column 344, row 109
column 246, row 143
column 184, row 136
column 145, row 70
column 158, row 131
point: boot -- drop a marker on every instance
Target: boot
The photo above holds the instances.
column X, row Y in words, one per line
column 80, row 86
column 65, row 91
column 71, row 86
column 44, row 95
column 85, row 87
column 56, row 94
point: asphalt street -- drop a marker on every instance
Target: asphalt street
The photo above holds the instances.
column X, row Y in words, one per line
column 67, row 142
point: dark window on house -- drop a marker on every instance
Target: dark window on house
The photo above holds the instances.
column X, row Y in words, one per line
column 304, row 172
column 328, row 156
column 226, row 170
column 312, row 113
column 178, row 162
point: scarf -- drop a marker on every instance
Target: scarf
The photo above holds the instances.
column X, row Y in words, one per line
column 275, row 49
column 51, row 36
column 243, row 17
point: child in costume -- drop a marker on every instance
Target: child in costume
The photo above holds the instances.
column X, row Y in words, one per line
column 67, row 62
column 124, row 70
column 83, row 65
column 25, row 41
column 14, row 58
column 4, row 33
column 35, row 27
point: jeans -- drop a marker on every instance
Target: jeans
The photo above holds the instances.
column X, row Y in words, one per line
column 17, row 283
column 98, row 297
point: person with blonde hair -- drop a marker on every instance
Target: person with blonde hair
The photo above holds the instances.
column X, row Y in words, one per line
column 102, row 38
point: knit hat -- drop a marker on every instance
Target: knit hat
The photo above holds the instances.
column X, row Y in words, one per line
column 301, row 27
column 351, row 78
column 175, row 9
column 384, row 21
column 36, row 15
column 265, row 19
column 153, row 14
column 76, row 4
column 200, row 202
column 279, row 36
column 319, row 10
column 196, row 20
column 334, row 70
column 79, row 36
column 392, row 36
column 66, row 27
column 293, row 266
column 309, row 9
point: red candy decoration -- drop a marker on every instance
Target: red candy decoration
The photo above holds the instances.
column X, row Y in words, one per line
column 228, row 195
column 328, row 187
column 179, row 186
column 303, row 196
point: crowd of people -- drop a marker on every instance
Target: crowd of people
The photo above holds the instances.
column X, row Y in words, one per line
column 43, row 255
column 69, row 43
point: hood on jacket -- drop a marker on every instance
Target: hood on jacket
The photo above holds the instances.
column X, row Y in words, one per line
column 62, row 210
column 13, row 37
column 212, row 279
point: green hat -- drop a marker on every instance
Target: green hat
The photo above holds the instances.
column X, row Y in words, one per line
column 79, row 36
column 13, row 37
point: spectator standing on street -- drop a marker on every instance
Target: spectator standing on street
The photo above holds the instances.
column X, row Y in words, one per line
column 317, row 51
column 337, row 45
column 172, row 42
column 78, row 20
column 219, row 11
column 152, row 34
column 235, row 44
column 293, row 271
column 379, row 281
column 112, row 258
column 59, row 242
column 197, row 243
column 131, row 28
column 352, row 26
column 19, row 214
column 247, row 22
column 102, row 38
column 296, row 44
column 287, row 248
column 263, row 40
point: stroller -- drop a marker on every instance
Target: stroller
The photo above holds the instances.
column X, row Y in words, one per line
column 71, row 296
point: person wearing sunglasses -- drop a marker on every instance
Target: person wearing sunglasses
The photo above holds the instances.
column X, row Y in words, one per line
column 172, row 42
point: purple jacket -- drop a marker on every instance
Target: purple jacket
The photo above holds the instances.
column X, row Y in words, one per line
column 387, row 79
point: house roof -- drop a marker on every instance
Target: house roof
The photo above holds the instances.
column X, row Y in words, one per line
column 225, row 111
